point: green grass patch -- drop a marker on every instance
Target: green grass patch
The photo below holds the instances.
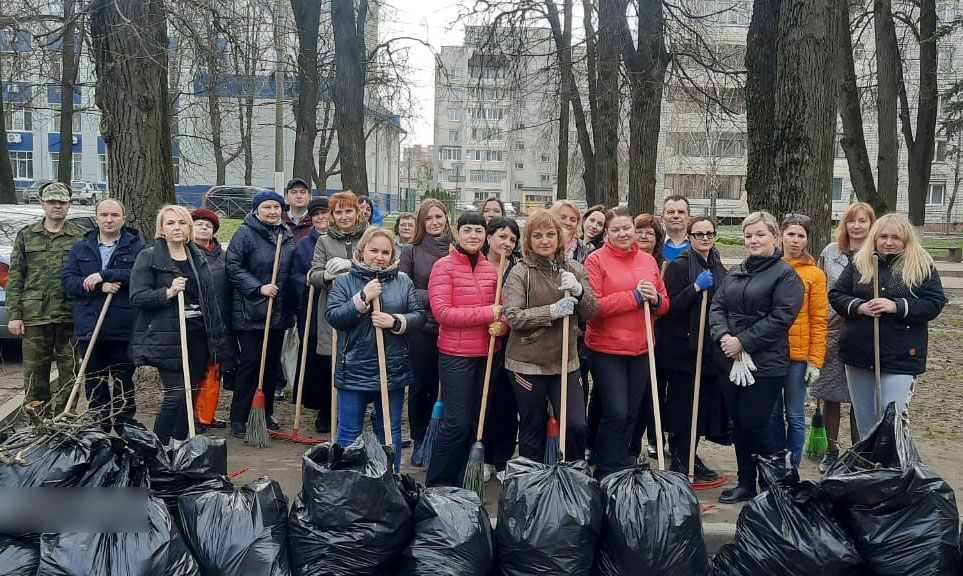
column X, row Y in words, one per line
column 228, row 227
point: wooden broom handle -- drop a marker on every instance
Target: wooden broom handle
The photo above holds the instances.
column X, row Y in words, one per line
column 563, row 408
column 383, row 374
column 270, row 312
column 491, row 354
column 698, row 384
column 304, row 358
column 334, row 389
column 876, row 355
column 654, row 385
column 185, row 365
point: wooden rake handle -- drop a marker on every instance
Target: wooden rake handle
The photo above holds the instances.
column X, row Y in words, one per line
column 698, row 384
column 185, row 365
column 483, row 413
column 270, row 311
column 383, row 374
column 563, row 409
column 82, row 373
column 876, row 355
column 654, row 385
column 304, row 358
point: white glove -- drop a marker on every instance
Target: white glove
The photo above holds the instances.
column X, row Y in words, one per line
column 750, row 367
column 812, row 373
column 563, row 307
column 570, row 283
column 336, row 267
column 741, row 374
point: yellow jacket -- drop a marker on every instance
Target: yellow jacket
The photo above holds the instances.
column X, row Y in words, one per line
column 807, row 336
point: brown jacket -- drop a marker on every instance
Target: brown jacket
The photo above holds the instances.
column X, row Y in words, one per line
column 535, row 342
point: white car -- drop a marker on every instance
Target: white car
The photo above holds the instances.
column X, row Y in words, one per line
column 85, row 192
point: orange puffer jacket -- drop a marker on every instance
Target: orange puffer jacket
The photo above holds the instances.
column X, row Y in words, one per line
column 807, row 336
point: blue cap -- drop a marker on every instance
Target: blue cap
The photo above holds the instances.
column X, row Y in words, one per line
column 264, row 196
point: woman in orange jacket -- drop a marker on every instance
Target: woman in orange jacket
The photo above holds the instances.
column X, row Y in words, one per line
column 623, row 277
column 807, row 338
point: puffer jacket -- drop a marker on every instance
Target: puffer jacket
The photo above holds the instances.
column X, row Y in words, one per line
column 417, row 261
column 222, row 287
column 334, row 244
column 303, row 253
column 156, row 339
column 619, row 326
column 903, row 336
column 529, row 292
column 357, row 367
column 807, row 336
column 758, row 303
column 83, row 261
column 250, row 263
column 461, row 301
column 679, row 328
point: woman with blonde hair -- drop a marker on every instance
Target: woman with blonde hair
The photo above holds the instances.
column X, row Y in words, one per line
column 910, row 295
column 831, row 385
column 571, row 218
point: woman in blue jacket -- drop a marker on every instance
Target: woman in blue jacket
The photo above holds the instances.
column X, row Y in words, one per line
column 374, row 275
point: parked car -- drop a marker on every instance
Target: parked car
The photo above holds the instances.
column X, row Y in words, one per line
column 12, row 219
column 85, row 192
column 31, row 194
column 233, row 201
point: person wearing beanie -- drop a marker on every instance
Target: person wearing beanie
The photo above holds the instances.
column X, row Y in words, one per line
column 297, row 195
column 250, row 263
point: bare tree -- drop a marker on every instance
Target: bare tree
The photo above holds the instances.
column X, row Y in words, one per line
column 70, row 63
column 8, row 190
column 351, row 65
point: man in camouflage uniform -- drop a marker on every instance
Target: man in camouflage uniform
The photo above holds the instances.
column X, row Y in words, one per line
column 38, row 308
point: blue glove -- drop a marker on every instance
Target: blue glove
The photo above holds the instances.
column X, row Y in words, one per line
column 704, row 281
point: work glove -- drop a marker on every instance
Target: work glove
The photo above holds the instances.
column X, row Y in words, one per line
column 740, row 374
column 562, row 308
column 496, row 329
column 336, row 267
column 750, row 366
column 703, row 281
column 570, row 283
column 812, row 373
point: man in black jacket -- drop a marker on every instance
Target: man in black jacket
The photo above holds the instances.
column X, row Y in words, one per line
column 99, row 265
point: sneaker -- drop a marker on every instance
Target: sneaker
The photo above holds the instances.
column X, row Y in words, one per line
column 652, row 451
column 272, row 423
column 828, row 460
column 238, row 430
column 487, row 473
column 703, row 473
column 500, row 476
column 322, row 424
column 279, row 394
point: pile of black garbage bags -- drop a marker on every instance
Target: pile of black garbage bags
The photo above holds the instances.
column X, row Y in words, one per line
column 877, row 511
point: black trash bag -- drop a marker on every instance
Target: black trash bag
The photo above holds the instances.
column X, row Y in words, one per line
column 453, row 536
column 549, row 519
column 161, row 551
column 789, row 530
column 652, row 525
column 19, row 556
column 240, row 533
column 902, row 516
column 410, row 489
column 350, row 517
column 86, row 457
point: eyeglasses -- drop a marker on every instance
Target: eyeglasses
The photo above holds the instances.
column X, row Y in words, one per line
column 792, row 217
column 648, row 233
column 703, row 235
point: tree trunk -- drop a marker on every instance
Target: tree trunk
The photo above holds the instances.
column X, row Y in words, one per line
column 957, row 177
column 129, row 39
column 565, row 96
column 214, row 107
column 921, row 147
column 762, row 44
column 8, row 190
column 70, row 62
column 323, row 171
column 351, row 72
column 888, row 65
column 605, row 125
column 307, row 16
column 853, row 141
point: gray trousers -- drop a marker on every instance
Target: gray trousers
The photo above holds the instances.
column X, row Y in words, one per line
column 862, row 389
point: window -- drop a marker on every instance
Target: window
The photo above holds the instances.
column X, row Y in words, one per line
column 701, row 186
column 486, row 176
column 486, row 72
column 840, row 153
column 941, row 150
column 454, row 95
column 544, row 157
column 454, row 136
column 837, row 189
column 454, row 115
column 936, row 193
column 946, row 12
column 486, row 155
column 519, row 125
column 102, row 161
column 177, row 170
column 455, row 73
column 492, row 114
column 519, row 165
column 77, row 168
column 18, row 117
column 730, row 12
column 859, row 51
column 544, row 199
column 482, row 195
column 715, row 144
column 485, row 134
column 518, row 185
column 945, row 59
column 76, row 119
column 22, row 164
column 446, row 153
column 519, row 145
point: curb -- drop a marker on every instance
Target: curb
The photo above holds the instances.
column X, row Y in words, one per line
column 717, row 534
column 10, row 408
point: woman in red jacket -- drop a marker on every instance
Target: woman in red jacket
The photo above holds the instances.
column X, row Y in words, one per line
column 622, row 278
column 462, row 294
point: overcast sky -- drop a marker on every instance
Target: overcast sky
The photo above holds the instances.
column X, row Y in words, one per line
column 429, row 21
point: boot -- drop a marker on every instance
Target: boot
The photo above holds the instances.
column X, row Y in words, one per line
column 740, row 493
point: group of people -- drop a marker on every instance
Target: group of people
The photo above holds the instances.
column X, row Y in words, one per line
column 445, row 295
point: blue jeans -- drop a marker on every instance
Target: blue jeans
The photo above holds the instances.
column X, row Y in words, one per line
column 789, row 430
column 862, row 389
column 352, row 406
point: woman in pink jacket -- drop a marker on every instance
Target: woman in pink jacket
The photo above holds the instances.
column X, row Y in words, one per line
column 622, row 278
column 462, row 294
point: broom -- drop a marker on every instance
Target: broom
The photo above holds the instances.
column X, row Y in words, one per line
column 294, row 436
column 816, row 442
column 383, row 374
column 256, row 434
column 552, row 449
column 475, row 469
column 422, row 455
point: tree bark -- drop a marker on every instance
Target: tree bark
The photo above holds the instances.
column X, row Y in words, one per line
column 351, row 72
column 307, row 15
column 70, row 62
column 853, row 141
column 889, row 80
column 605, row 124
column 565, row 97
column 8, row 189
column 762, row 44
column 921, row 147
column 129, row 39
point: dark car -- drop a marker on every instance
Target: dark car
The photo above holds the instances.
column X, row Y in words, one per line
column 229, row 201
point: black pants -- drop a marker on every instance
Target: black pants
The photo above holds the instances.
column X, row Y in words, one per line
column 623, row 384
column 645, row 422
column 423, row 392
column 172, row 418
column 245, row 384
column 110, row 383
column 317, row 378
column 750, row 408
column 461, row 387
column 531, row 393
column 501, row 423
